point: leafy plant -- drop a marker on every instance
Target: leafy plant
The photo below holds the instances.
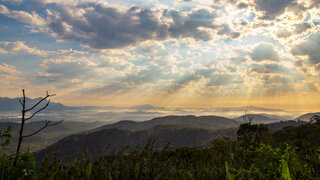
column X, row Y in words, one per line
column 5, row 135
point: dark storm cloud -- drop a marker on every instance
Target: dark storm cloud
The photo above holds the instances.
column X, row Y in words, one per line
column 264, row 52
column 103, row 27
column 226, row 30
column 310, row 47
column 272, row 8
column 242, row 5
column 188, row 26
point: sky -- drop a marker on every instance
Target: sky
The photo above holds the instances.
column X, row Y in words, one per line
column 171, row 54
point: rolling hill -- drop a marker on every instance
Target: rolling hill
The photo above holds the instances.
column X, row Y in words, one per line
column 306, row 117
column 259, row 118
column 180, row 131
column 109, row 141
column 205, row 122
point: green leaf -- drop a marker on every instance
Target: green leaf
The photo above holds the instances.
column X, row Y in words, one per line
column 107, row 174
column 136, row 171
column 88, row 169
column 229, row 176
column 285, row 174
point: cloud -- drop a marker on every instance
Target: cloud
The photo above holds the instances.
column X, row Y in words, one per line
column 268, row 68
column 264, row 52
column 224, row 79
column 300, row 28
column 310, row 47
column 8, row 69
column 188, row 26
column 273, row 85
column 16, row 46
column 24, row 17
column 10, row 79
column 227, row 31
column 317, row 67
column 242, row 5
column 283, row 34
column 272, row 8
column 69, row 70
column 105, row 26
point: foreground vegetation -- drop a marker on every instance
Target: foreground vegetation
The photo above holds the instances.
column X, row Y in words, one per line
column 291, row 153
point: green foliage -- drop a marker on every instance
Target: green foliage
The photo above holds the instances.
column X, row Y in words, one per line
column 285, row 174
column 88, row 169
column 25, row 167
column 229, row 176
column 5, row 136
column 256, row 133
column 107, row 174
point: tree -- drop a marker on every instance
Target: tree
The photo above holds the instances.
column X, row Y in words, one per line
column 257, row 133
column 315, row 118
column 25, row 119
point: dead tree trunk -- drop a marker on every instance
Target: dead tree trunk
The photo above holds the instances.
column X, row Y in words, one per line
column 24, row 119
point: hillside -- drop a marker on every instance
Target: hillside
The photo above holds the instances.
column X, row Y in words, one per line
column 108, row 141
column 46, row 137
column 259, row 118
column 306, row 117
column 282, row 124
column 205, row 122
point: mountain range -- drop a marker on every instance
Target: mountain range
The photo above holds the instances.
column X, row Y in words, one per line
column 259, row 118
column 178, row 131
column 70, row 138
column 204, row 122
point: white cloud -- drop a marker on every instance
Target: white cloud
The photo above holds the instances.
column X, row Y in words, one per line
column 8, row 69
column 24, row 17
column 16, row 46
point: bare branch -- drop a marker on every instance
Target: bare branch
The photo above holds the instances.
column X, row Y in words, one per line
column 47, row 92
column 55, row 123
column 48, row 95
column 20, row 102
column 44, row 107
column 46, row 125
column 43, row 127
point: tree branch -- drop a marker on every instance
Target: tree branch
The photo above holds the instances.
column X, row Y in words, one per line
column 43, row 127
column 48, row 95
column 38, row 111
column 20, row 102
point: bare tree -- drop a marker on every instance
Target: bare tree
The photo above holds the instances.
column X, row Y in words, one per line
column 247, row 117
column 25, row 119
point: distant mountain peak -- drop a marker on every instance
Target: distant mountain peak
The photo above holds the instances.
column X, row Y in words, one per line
column 307, row 116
